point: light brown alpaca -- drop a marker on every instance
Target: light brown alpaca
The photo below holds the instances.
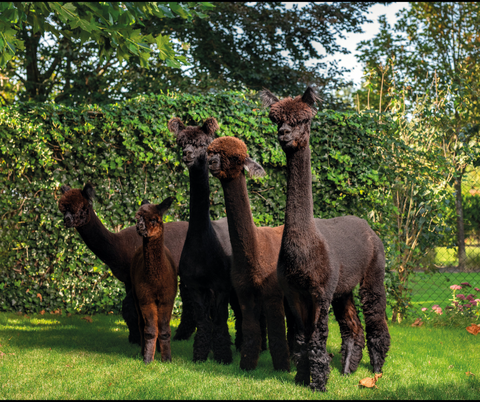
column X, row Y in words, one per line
column 154, row 279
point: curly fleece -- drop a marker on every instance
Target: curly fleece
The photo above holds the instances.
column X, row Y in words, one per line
column 291, row 111
column 230, row 149
column 194, row 135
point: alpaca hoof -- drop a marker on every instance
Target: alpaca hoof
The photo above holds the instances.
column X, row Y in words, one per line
column 147, row 361
column 320, row 388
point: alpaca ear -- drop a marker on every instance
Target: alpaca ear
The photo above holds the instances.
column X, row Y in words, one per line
column 310, row 97
column 175, row 125
column 145, row 202
column 64, row 189
column 267, row 98
column 89, row 192
column 162, row 208
column 253, row 168
column 210, row 126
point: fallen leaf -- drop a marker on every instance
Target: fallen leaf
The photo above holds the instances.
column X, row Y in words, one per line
column 451, row 366
column 469, row 373
column 26, row 316
column 418, row 323
column 69, row 314
column 42, row 312
column 429, row 362
column 370, row 382
column 474, row 329
column 2, row 354
column 68, row 365
column 88, row 319
column 40, row 297
column 109, row 384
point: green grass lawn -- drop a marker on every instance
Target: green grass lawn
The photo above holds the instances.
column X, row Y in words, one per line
column 56, row 357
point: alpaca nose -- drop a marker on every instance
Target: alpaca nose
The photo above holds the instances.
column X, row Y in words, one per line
column 285, row 132
column 68, row 220
column 188, row 154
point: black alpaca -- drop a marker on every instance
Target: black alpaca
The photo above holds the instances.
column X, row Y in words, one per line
column 206, row 257
column 255, row 253
column 322, row 260
column 117, row 249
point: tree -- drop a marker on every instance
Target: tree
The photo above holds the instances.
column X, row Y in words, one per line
column 40, row 42
column 434, row 40
column 240, row 46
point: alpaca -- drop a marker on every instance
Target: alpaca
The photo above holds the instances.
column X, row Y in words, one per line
column 117, row 249
column 206, row 257
column 322, row 260
column 255, row 253
column 154, row 281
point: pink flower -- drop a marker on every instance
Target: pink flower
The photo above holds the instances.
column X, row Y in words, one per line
column 456, row 303
column 424, row 309
column 461, row 297
column 465, row 284
column 460, row 307
column 470, row 297
column 477, row 300
column 439, row 311
column 455, row 287
column 473, row 303
column 477, row 289
column 435, row 306
column 468, row 305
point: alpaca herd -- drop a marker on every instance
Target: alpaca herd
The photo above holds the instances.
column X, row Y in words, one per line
column 270, row 275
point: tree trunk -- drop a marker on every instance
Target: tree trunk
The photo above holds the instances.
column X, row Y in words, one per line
column 462, row 255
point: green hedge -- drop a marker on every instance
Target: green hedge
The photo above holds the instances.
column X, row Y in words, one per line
column 127, row 152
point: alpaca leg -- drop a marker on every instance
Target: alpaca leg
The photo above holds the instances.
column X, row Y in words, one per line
column 238, row 319
column 353, row 340
column 187, row 321
column 290, row 327
column 203, row 337
column 276, row 334
column 251, row 334
column 374, row 303
column 130, row 315
column 317, row 347
column 140, row 322
column 164, row 314
column 263, row 330
column 221, row 341
column 149, row 313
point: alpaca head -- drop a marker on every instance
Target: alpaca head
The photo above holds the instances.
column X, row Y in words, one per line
column 149, row 217
column 227, row 157
column 75, row 205
column 194, row 140
column 293, row 117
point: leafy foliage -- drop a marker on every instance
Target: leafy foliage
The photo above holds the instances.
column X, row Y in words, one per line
column 58, row 31
column 126, row 150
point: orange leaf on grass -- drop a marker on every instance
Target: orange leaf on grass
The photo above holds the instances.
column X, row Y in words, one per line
column 418, row 323
column 42, row 312
column 88, row 319
column 469, row 373
column 370, row 382
column 473, row 329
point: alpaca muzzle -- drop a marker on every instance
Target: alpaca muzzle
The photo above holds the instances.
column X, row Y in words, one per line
column 68, row 220
column 141, row 228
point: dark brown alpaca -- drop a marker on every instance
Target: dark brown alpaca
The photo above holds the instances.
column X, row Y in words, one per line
column 117, row 249
column 154, row 280
column 322, row 260
column 255, row 253
column 206, row 257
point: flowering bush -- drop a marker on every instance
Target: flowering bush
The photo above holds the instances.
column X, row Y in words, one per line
column 462, row 304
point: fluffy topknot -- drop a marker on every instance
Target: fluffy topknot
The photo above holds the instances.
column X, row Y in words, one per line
column 230, row 147
column 291, row 111
column 194, row 135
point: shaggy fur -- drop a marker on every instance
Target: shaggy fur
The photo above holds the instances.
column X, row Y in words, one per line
column 322, row 260
column 255, row 253
column 117, row 249
column 154, row 281
column 206, row 257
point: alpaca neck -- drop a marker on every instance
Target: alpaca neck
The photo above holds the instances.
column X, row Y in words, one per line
column 199, row 198
column 101, row 242
column 299, row 208
column 242, row 230
column 154, row 255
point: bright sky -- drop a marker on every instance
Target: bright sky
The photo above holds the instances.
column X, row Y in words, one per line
column 370, row 30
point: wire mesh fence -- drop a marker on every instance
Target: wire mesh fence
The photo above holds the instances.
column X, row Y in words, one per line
column 431, row 285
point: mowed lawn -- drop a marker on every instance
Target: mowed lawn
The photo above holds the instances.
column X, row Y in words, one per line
column 58, row 357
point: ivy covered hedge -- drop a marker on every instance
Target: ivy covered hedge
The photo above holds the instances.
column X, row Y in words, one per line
column 127, row 152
